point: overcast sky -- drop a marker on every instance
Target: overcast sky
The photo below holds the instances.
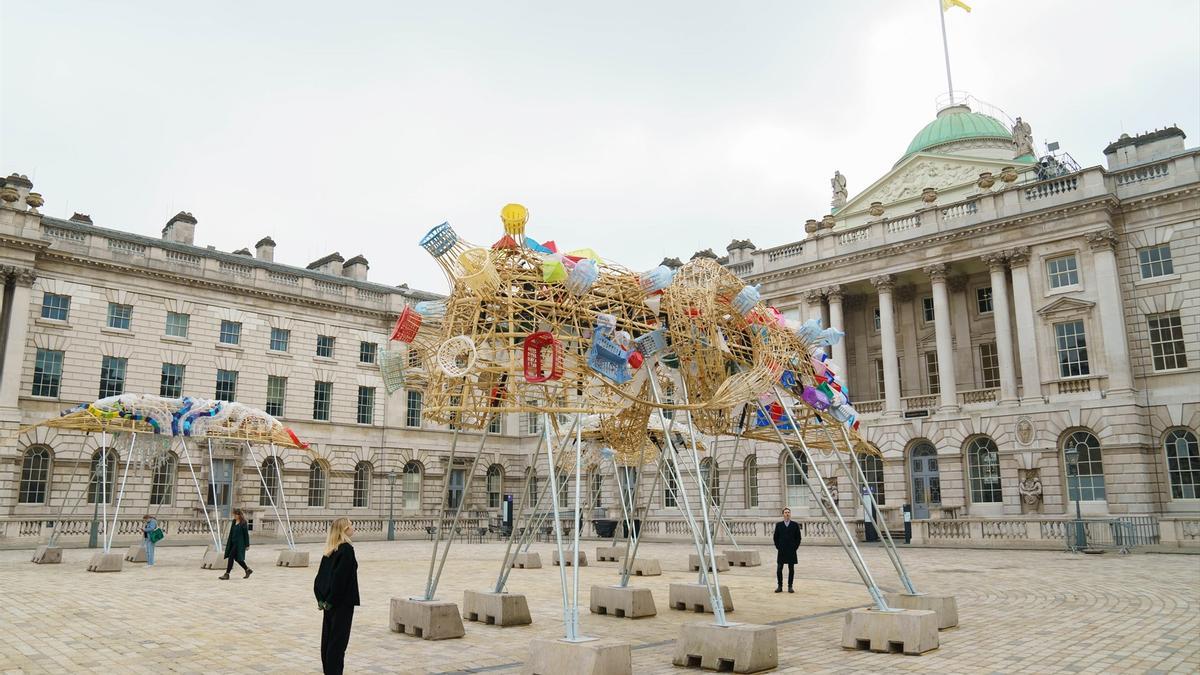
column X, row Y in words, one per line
column 640, row 129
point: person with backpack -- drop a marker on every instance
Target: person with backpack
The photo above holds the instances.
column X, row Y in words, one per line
column 150, row 536
column 236, row 545
column 336, row 589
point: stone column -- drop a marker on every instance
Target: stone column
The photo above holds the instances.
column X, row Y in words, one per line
column 945, row 340
column 14, row 351
column 1004, row 351
column 1112, row 315
column 1031, row 372
column 836, row 320
column 887, row 332
column 815, row 299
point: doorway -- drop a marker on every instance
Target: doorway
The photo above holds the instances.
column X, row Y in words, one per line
column 220, row 486
column 926, row 482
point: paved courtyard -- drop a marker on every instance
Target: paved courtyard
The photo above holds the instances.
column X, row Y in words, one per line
column 1020, row 612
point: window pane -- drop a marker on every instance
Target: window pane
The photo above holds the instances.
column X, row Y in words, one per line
column 367, row 352
column 112, row 376
column 1166, row 341
column 322, row 394
column 1072, row 349
column 412, row 486
column 670, row 485
column 989, row 361
column 269, row 488
column 1088, row 483
column 931, row 373
column 177, row 324
column 412, row 414
column 226, row 385
column 171, row 383
column 35, row 476
column 751, row 482
column 1155, row 261
column 983, row 299
column 162, row 488
column 362, row 485
column 56, row 307
column 103, row 477
column 325, row 346
column 316, row 485
column 231, row 332
column 276, row 394
column 1183, row 463
column 366, row 405
column 984, row 460
column 120, row 316
column 1062, row 271
column 47, row 372
column 872, row 468
column 280, row 337
column 927, row 309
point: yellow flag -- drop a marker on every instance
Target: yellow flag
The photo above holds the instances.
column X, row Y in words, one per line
column 947, row 4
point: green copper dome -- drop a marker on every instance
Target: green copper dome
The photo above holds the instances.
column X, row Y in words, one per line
column 957, row 123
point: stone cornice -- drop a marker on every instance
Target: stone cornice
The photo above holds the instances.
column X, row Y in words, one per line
column 1106, row 203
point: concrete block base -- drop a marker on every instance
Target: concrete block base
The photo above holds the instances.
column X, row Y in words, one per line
column 623, row 603
column 106, row 562
column 570, row 558
column 739, row 648
column 527, row 561
column 426, row 619
column 912, row 631
column 214, row 559
column 594, row 657
column 47, row 555
column 136, row 553
column 743, row 558
column 694, row 563
column 289, row 558
column 644, row 567
column 609, row 553
column 496, row 609
column 943, row 605
column 694, row 597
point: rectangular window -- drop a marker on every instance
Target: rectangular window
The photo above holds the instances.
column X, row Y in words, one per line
column 494, row 424
column 276, row 394
column 1156, row 261
column 177, row 324
column 412, row 414
column 322, row 395
column 931, row 373
column 983, row 299
column 879, row 379
column 1071, row 344
column 1166, row 341
column 531, row 422
column 366, row 405
column 120, row 316
column 927, row 309
column 56, row 307
column 226, row 385
column 231, row 332
column 1062, row 271
column 112, row 376
column 279, row 339
column 670, row 486
column 875, row 318
column 989, row 364
column 171, row 384
column 367, row 352
column 325, row 346
column 47, row 373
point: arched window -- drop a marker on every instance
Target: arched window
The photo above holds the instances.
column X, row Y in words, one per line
column 162, row 487
column 269, row 490
column 983, row 461
column 872, row 467
column 710, row 473
column 596, row 486
column 532, row 481
column 108, row 474
column 495, row 485
column 750, row 468
column 627, row 478
column 362, row 485
column 316, row 484
column 1183, row 463
column 670, row 485
column 1088, row 483
column 795, row 478
column 35, row 475
column 412, row 486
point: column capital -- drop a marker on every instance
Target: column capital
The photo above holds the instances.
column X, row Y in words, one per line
column 21, row 275
column 833, row 293
column 884, row 283
column 1102, row 239
column 937, row 272
column 1017, row 257
column 994, row 261
column 814, row 296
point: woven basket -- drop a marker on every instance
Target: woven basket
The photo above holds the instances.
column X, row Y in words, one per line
column 514, row 217
column 538, row 368
column 456, row 356
column 391, row 367
column 407, row 326
column 440, row 239
column 480, row 273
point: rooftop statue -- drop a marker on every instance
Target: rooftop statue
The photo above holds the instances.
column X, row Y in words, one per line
column 1022, row 139
column 838, row 182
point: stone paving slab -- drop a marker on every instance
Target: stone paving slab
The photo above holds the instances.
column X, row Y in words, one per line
column 1020, row 611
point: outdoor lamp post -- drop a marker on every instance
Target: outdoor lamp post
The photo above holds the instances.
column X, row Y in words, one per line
column 391, row 506
column 1072, row 457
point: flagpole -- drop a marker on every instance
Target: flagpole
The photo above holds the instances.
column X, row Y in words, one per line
column 946, row 50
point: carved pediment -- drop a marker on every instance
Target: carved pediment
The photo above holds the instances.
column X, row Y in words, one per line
column 1066, row 306
column 907, row 179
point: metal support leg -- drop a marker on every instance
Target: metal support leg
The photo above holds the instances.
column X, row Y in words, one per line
column 200, row 496
column 458, row 511
column 287, row 535
column 121, row 492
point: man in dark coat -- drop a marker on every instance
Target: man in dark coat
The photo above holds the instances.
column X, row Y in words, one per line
column 787, row 541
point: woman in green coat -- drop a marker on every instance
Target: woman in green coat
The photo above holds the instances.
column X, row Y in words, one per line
column 235, row 547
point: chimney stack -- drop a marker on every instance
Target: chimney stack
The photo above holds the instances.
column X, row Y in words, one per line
column 265, row 249
column 330, row 264
column 181, row 229
column 356, row 268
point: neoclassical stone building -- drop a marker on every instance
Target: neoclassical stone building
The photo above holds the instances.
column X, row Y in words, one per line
column 997, row 311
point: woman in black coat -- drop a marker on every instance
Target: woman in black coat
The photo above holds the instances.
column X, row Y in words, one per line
column 336, row 589
column 236, row 545
column 787, row 542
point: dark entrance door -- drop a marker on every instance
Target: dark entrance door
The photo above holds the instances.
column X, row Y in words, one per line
column 926, row 484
